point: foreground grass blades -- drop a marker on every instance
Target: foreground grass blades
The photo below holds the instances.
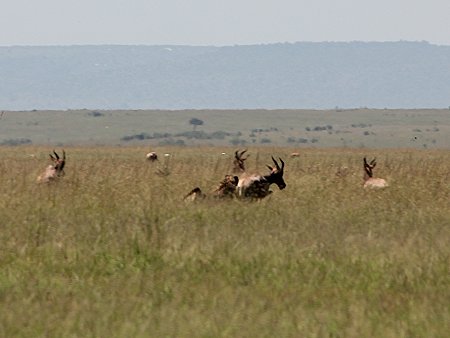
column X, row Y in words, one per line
column 112, row 250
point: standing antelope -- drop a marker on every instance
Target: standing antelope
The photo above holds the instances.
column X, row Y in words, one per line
column 257, row 186
column 369, row 181
column 55, row 170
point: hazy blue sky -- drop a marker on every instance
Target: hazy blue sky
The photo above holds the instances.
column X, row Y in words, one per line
column 221, row 22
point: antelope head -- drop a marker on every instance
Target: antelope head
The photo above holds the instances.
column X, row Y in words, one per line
column 257, row 186
column 369, row 180
column 54, row 170
column 368, row 168
column 276, row 174
column 238, row 162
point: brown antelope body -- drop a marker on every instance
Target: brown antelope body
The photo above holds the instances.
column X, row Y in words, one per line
column 369, row 180
column 54, row 170
column 257, row 186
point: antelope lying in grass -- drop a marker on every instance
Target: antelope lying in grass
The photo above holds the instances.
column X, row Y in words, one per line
column 152, row 156
column 55, row 170
column 369, row 181
column 257, row 186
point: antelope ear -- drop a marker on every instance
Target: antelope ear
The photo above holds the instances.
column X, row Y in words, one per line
column 270, row 168
column 282, row 163
column 52, row 158
column 64, row 155
column 373, row 162
column 56, row 155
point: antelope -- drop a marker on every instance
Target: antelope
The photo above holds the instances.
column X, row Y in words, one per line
column 55, row 170
column 152, row 156
column 257, row 186
column 238, row 162
column 369, row 181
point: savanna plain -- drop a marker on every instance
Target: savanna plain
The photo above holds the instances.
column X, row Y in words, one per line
column 112, row 250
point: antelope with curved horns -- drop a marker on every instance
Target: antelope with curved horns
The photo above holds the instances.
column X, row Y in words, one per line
column 238, row 162
column 55, row 170
column 369, row 180
column 257, row 186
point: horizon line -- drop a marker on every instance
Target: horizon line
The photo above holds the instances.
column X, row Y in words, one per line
column 228, row 45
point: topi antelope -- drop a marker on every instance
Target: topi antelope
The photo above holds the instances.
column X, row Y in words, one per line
column 257, row 186
column 152, row 156
column 238, row 162
column 369, row 181
column 55, row 170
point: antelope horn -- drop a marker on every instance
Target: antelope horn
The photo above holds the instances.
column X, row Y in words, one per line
column 282, row 163
column 64, row 155
column 57, row 157
column 276, row 164
column 373, row 162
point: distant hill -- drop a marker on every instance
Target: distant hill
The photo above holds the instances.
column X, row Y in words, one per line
column 289, row 75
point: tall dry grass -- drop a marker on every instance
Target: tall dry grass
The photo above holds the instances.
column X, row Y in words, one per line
column 112, row 250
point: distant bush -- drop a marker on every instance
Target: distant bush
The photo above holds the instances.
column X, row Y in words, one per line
column 201, row 135
column 361, row 125
column 172, row 142
column 145, row 136
column 266, row 140
column 139, row 137
column 95, row 114
column 265, row 130
column 320, row 128
column 238, row 141
column 16, row 142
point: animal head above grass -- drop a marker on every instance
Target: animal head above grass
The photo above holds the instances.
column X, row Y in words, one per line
column 55, row 170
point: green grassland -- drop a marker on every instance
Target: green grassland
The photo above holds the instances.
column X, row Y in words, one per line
column 111, row 250
column 356, row 128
